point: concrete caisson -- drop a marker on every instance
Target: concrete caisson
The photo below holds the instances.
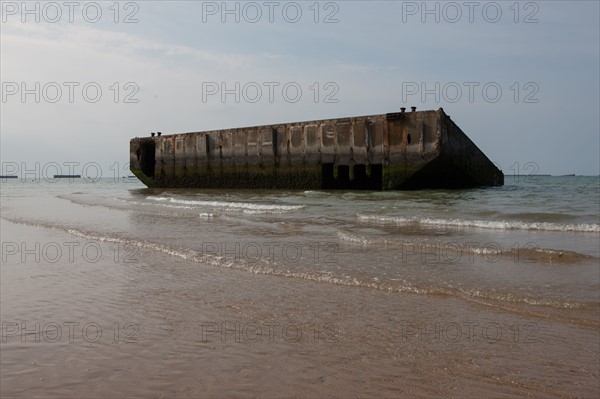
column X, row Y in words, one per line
column 403, row 150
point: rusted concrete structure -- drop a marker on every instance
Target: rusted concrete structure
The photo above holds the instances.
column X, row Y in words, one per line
column 403, row 150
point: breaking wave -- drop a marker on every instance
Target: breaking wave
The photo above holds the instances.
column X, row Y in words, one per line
column 483, row 224
column 501, row 300
column 246, row 207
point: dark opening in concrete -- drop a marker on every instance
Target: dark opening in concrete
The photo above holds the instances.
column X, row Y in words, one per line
column 147, row 159
column 360, row 181
column 344, row 175
column 371, row 181
column 327, row 176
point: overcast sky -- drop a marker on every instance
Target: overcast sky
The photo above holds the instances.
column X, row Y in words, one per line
column 80, row 79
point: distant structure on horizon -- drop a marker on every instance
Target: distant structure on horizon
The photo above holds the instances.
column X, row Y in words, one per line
column 400, row 150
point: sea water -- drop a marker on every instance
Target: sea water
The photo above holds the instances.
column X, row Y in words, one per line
column 109, row 288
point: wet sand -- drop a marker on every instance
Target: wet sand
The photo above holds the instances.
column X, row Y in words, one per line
column 175, row 328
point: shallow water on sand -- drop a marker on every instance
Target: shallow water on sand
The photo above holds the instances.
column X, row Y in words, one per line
column 483, row 292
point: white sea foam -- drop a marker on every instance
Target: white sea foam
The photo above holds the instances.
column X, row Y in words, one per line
column 247, row 207
column 483, row 224
column 267, row 267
